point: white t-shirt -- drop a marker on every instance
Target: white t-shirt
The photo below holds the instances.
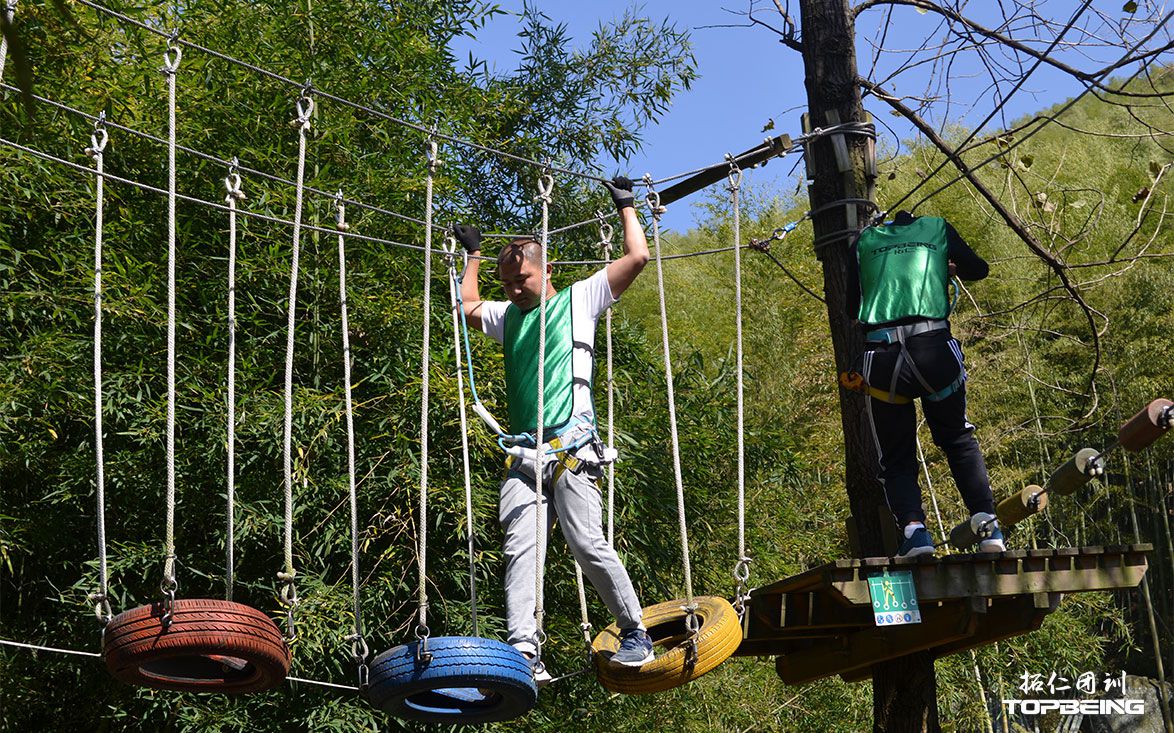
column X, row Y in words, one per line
column 590, row 297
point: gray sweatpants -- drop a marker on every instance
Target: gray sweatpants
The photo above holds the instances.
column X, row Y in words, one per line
column 578, row 506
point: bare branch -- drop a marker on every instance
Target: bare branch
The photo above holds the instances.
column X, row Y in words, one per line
column 1088, row 77
column 1011, row 220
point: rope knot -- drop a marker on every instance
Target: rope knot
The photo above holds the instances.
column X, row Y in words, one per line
column 99, row 138
column 305, row 108
column 340, row 218
column 545, row 188
column 173, row 54
column 606, row 232
column 734, row 177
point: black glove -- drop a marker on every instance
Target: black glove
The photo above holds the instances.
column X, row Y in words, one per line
column 620, row 189
column 469, row 236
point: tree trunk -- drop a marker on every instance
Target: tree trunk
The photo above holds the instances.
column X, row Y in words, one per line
column 904, row 690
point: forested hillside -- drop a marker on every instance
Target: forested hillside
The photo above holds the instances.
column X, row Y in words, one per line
column 1101, row 204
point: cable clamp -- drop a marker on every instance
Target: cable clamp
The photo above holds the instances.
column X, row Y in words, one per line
column 232, row 183
column 653, row 198
column 168, row 587
column 735, row 175
column 305, row 108
column 423, row 656
column 545, row 186
column 101, row 607
column 431, row 151
column 99, row 138
column 173, row 54
column 340, row 217
column 606, row 231
column 288, row 595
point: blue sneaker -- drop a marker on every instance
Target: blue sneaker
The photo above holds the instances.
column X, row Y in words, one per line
column 635, row 649
column 919, row 543
column 992, row 536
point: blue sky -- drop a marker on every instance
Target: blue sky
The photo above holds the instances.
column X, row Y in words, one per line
column 748, row 77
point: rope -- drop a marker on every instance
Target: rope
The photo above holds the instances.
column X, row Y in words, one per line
column 422, row 623
column 101, row 599
column 289, row 595
column 692, row 623
column 278, row 179
column 584, row 619
column 9, row 11
column 233, row 186
column 286, row 222
column 545, row 187
column 80, row 653
column 742, row 567
column 605, row 235
column 454, row 286
column 346, row 102
column 171, row 57
column 359, row 648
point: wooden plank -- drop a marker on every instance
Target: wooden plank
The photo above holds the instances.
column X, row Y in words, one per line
column 1003, row 576
column 867, row 647
column 839, row 145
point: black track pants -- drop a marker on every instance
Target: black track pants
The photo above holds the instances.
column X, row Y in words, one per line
column 938, row 358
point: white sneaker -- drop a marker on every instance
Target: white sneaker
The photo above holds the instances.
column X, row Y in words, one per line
column 993, row 541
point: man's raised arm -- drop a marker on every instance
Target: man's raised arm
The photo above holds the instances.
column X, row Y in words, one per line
column 622, row 272
column 470, row 238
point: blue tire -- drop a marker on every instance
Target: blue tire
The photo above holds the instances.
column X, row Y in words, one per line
column 468, row 680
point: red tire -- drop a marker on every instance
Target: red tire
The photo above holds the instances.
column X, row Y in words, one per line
column 208, row 646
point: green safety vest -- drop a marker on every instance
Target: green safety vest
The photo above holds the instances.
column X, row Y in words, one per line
column 903, row 271
column 521, row 364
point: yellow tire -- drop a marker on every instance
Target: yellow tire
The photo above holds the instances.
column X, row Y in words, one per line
column 719, row 635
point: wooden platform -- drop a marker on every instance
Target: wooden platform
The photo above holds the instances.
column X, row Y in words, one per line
column 820, row 623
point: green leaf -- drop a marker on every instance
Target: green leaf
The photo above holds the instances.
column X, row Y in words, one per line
column 1130, row 7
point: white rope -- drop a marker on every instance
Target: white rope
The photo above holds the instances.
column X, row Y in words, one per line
column 171, row 65
column 545, row 187
column 305, row 108
column 605, row 234
column 80, row 653
column 232, row 184
column 54, row 649
column 742, row 566
column 690, row 606
column 9, row 11
column 101, row 599
column 425, row 366
column 358, row 643
column 454, row 285
column 584, row 619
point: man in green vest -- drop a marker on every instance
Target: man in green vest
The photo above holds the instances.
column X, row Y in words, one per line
column 575, row 454
column 898, row 292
